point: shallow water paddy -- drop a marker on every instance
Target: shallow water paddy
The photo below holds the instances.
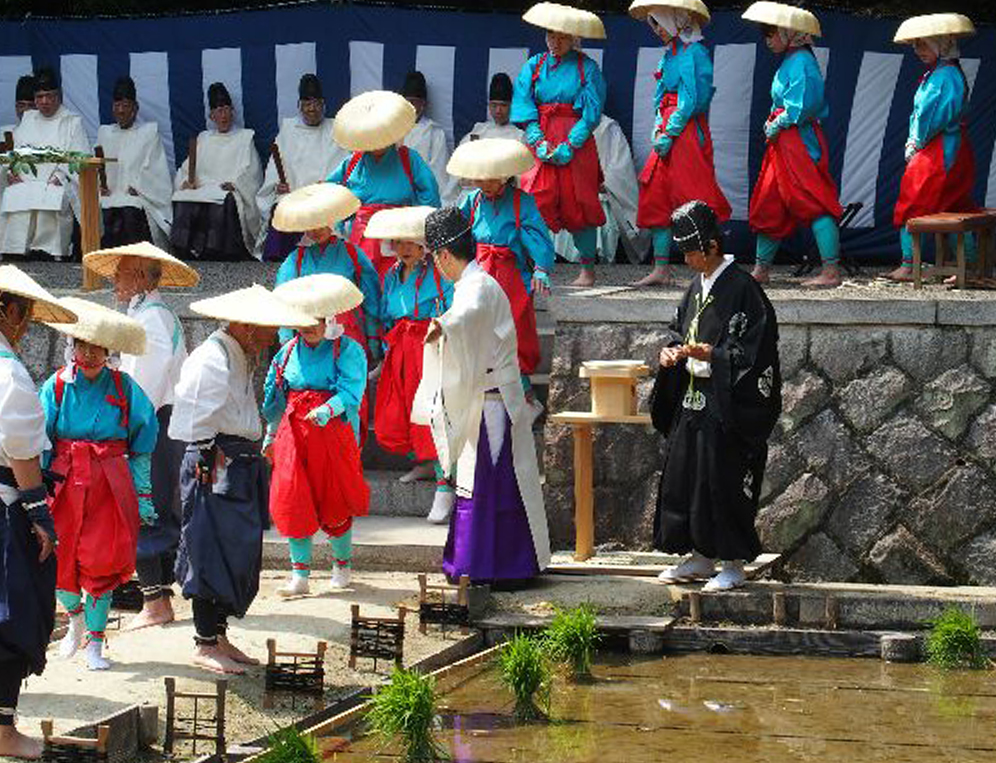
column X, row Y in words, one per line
column 735, row 709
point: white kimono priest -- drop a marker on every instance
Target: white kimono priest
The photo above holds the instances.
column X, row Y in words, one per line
column 472, row 398
column 428, row 138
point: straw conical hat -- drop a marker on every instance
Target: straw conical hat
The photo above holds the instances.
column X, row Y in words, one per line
column 490, row 159
column 565, row 19
column 783, row 16
column 373, row 120
column 47, row 308
column 254, row 305
column 399, row 224
column 639, row 9
column 314, row 206
column 103, row 327
column 104, row 262
column 320, row 296
column 934, row 25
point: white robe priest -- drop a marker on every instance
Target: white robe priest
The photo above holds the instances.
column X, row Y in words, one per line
column 429, row 140
column 491, row 129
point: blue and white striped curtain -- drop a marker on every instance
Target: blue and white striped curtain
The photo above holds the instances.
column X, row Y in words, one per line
column 260, row 55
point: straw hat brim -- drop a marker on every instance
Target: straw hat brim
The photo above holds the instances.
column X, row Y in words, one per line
column 640, row 9
column 314, row 206
column 176, row 274
column 490, row 159
column 47, row 308
column 103, row 327
column 783, row 16
column 399, row 224
column 565, row 19
column 373, row 120
column 255, row 306
column 934, row 25
column 321, row 295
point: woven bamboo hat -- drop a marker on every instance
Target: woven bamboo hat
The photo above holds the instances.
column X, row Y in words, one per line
column 46, row 308
column 254, row 305
column 320, row 296
column 783, row 16
column 490, row 159
column 373, row 120
column 102, row 327
column 934, row 25
column 399, row 224
column 176, row 273
column 639, row 9
column 314, row 206
column 563, row 18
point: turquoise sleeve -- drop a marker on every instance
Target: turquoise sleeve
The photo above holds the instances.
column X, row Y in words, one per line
column 426, row 187
column 937, row 106
column 274, row 399
column 140, row 465
column 524, row 109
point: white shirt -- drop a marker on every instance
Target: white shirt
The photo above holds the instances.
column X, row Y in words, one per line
column 491, row 129
column 215, row 394
column 700, row 368
column 158, row 370
column 22, row 420
column 429, row 140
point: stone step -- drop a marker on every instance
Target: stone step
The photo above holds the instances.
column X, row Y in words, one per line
column 390, row 498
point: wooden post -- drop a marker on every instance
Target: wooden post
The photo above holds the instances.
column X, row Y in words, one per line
column 917, row 262
column 170, row 714
column 423, row 593
column 584, row 499
column 960, row 277
column 778, row 607
column 831, row 612
column 89, row 220
column 695, row 606
column 354, row 612
column 271, row 651
column 219, row 740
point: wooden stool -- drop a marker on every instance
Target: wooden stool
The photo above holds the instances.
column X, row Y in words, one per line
column 378, row 638
column 74, row 749
column 959, row 223
column 444, row 613
column 190, row 727
column 295, row 671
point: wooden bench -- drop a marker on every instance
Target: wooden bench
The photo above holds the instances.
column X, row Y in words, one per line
column 981, row 223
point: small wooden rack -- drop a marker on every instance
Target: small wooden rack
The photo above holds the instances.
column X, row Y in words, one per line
column 442, row 612
column 195, row 728
column 959, row 224
column 302, row 672
column 377, row 638
column 60, row 749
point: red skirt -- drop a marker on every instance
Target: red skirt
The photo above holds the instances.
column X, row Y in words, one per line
column 567, row 195
column 927, row 188
column 96, row 516
column 317, row 479
column 792, row 190
column 399, row 379
column 499, row 262
column 684, row 175
column 371, row 246
column 352, row 326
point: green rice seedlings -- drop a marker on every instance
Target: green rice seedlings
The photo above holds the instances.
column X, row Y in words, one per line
column 291, row 746
column 405, row 711
column 571, row 640
column 954, row 641
column 523, row 669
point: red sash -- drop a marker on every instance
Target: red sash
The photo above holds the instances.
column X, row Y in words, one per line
column 685, row 174
column 927, row 188
column 399, row 379
column 96, row 516
column 317, row 480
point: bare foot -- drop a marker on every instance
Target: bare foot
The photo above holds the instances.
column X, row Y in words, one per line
column 422, row 472
column 761, row 273
column 213, row 659
column 828, row 278
column 585, row 279
column 228, row 648
column 902, row 273
column 156, row 612
column 14, row 744
column 661, row 275
column 951, row 281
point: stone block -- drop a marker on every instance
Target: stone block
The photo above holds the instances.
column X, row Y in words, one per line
column 819, row 559
column 802, row 397
column 864, row 513
column 793, row 349
column 900, row 647
column 559, row 503
column 924, row 352
column 830, row 451
column 976, row 559
column 196, row 330
column 844, row 353
column 914, row 455
column 981, row 440
column 783, row 466
column 793, row 514
column 868, row 401
column 646, row 642
column 983, row 351
column 955, row 509
column 626, row 454
column 37, row 352
column 606, row 342
column 568, row 393
column 645, row 344
column 950, row 401
column 902, row 559
column 563, row 362
column 558, row 454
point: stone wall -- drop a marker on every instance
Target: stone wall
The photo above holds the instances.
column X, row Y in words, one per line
column 881, row 468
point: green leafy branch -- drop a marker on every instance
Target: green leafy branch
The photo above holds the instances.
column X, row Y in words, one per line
column 25, row 161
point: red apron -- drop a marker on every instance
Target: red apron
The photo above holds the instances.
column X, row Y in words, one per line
column 96, row 516
column 927, row 188
column 792, row 190
column 399, row 379
column 317, row 481
column 567, row 195
column 685, row 174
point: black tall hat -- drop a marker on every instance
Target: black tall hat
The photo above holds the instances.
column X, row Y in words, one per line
column 309, row 87
column 124, row 90
column 693, row 226
column 46, row 79
column 500, row 88
column 444, row 226
column 218, row 96
column 25, row 88
column 414, row 86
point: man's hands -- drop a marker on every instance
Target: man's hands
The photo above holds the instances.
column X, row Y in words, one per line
column 283, row 188
column 434, row 331
column 671, row 356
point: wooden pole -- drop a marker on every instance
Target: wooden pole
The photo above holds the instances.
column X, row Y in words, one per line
column 278, row 162
column 98, row 151
column 778, row 607
column 584, row 499
column 192, row 162
column 170, row 714
column 89, row 220
column 917, row 262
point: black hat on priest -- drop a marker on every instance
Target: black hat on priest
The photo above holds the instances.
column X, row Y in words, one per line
column 500, row 88
column 124, row 90
column 46, row 80
column 310, row 87
column 25, row 90
column 218, row 96
column 415, row 86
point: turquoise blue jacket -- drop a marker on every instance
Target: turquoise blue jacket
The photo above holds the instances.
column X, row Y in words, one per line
column 938, row 107
column 798, row 89
column 687, row 72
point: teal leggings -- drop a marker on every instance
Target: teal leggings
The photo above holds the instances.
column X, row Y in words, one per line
column 300, row 552
column 827, row 236
column 662, row 246
column 95, row 610
column 906, row 242
column 586, row 242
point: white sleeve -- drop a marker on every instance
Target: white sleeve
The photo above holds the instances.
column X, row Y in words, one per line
column 22, row 420
column 201, row 392
column 151, row 370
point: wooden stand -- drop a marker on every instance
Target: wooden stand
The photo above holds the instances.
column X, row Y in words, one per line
column 180, row 728
column 377, row 638
column 957, row 223
column 74, row 749
column 302, row 672
column 444, row 613
column 90, row 215
column 613, row 401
